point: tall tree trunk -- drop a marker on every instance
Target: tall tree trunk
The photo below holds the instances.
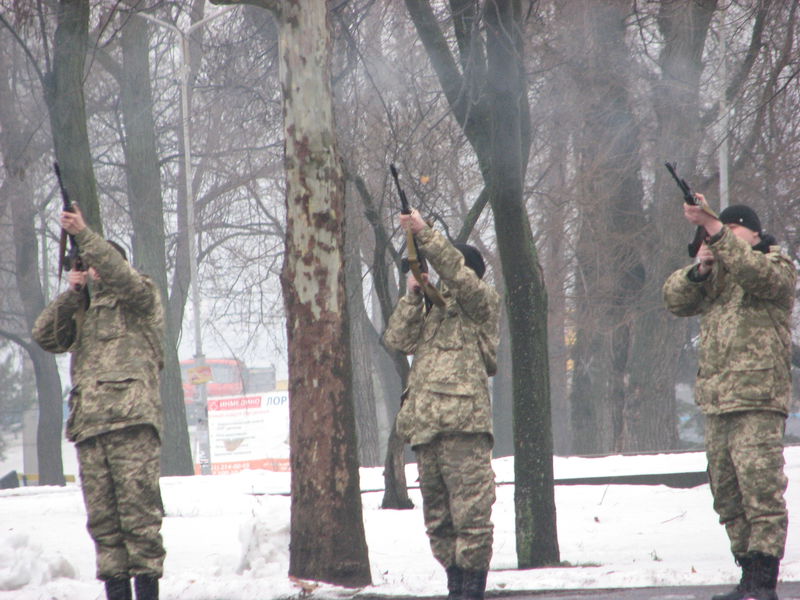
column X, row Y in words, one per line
column 48, row 381
column 361, row 350
column 503, row 393
column 658, row 337
column 611, row 215
column 555, row 269
column 13, row 142
column 395, row 494
column 327, row 530
column 534, row 502
column 490, row 103
column 63, row 92
column 147, row 214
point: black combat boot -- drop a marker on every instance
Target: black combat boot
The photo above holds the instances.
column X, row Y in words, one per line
column 118, row 589
column 146, row 587
column 745, row 583
column 455, row 582
column 474, row 585
column 765, row 577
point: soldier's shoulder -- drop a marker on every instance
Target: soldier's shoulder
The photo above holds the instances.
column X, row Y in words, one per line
column 778, row 252
column 151, row 284
column 778, row 255
column 486, row 292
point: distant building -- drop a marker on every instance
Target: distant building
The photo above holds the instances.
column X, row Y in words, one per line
column 260, row 379
column 222, row 377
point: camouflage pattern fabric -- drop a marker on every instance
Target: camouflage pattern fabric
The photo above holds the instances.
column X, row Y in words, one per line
column 745, row 469
column 458, row 490
column 745, row 307
column 454, row 348
column 117, row 351
column 743, row 383
column 119, row 476
column 115, row 405
column 446, row 416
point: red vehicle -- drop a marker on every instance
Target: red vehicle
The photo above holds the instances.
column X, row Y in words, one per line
column 222, row 376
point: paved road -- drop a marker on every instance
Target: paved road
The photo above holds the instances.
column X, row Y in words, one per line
column 786, row 591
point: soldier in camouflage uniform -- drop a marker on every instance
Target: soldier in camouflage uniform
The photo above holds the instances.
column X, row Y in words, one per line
column 115, row 407
column 743, row 288
column 446, row 415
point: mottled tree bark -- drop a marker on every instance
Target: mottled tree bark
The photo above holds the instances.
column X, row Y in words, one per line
column 327, row 531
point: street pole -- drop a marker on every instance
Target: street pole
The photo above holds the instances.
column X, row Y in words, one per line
column 204, row 446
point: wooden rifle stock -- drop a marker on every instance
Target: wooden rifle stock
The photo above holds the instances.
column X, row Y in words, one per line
column 415, row 262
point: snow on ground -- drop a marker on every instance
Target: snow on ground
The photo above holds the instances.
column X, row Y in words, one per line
column 227, row 536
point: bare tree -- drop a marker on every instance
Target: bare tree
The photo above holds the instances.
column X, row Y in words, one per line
column 611, row 217
column 62, row 83
column 363, row 344
column 17, row 151
column 651, row 399
column 487, row 93
column 147, row 216
column 327, row 530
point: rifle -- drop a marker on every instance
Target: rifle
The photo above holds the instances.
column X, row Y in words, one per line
column 415, row 262
column 700, row 233
column 67, row 260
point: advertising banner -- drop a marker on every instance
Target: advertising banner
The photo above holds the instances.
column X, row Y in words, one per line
column 249, row 432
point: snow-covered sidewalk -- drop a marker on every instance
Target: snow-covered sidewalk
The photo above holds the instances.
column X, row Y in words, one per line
column 227, row 536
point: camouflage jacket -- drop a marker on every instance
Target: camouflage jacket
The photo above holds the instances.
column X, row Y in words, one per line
column 745, row 305
column 454, row 348
column 116, row 345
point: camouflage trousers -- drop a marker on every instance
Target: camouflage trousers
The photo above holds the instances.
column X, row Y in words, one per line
column 119, row 476
column 457, row 485
column 745, row 469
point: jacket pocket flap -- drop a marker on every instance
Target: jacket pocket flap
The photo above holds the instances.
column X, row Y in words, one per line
column 116, row 376
column 758, row 364
column 454, row 388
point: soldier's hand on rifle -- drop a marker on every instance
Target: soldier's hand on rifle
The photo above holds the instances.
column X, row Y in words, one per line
column 72, row 222
column 699, row 215
column 705, row 260
column 77, row 280
column 413, row 220
column 412, row 285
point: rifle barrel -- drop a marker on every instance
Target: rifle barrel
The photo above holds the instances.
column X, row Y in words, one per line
column 404, row 206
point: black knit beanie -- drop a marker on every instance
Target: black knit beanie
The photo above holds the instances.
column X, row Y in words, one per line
column 741, row 214
column 472, row 258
